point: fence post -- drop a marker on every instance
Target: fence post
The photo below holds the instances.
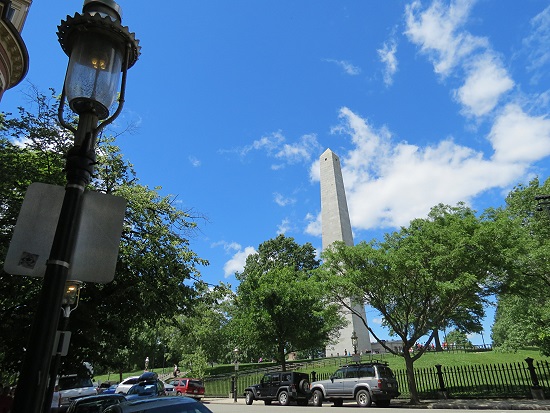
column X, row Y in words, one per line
column 536, row 391
column 442, row 392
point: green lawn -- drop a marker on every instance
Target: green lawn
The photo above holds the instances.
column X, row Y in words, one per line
column 429, row 359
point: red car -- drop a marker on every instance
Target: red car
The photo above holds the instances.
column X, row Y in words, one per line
column 187, row 387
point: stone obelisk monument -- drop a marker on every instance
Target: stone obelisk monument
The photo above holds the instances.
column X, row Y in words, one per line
column 336, row 226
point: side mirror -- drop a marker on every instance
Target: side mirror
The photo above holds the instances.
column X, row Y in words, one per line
column 332, row 379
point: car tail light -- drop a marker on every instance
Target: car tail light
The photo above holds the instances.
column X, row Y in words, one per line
column 379, row 383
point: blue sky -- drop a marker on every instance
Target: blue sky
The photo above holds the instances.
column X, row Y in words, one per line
column 234, row 102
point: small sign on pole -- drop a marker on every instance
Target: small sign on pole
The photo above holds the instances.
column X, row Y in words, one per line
column 61, row 343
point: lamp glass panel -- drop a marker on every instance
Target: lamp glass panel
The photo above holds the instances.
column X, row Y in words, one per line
column 94, row 72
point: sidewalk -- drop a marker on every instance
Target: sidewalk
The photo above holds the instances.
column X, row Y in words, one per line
column 473, row 404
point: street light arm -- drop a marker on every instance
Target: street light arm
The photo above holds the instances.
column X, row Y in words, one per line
column 65, row 124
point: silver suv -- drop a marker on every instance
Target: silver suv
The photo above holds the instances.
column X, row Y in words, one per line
column 365, row 383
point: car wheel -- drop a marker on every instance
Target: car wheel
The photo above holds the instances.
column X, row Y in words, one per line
column 338, row 402
column 267, row 402
column 317, row 398
column 283, row 398
column 249, row 398
column 303, row 386
column 178, row 393
column 363, row 398
column 383, row 403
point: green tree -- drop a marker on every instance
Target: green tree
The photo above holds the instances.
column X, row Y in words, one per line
column 204, row 328
column 420, row 278
column 279, row 306
column 156, row 274
column 523, row 308
column 458, row 339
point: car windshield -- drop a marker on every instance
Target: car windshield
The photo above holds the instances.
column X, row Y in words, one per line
column 96, row 406
column 143, row 389
column 74, row 382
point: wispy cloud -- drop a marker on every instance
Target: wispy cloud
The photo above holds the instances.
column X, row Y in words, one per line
column 536, row 43
column 284, row 227
column 346, row 66
column 195, row 161
column 438, row 32
column 281, row 200
column 276, row 146
column 388, row 57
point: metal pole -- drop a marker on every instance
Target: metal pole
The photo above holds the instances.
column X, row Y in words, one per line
column 56, row 361
column 36, row 365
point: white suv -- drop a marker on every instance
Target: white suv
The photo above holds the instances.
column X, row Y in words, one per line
column 72, row 387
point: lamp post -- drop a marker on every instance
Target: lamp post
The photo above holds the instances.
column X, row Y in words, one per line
column 70, row 297
column 236, row 351
column 99, row 50
column 354, row 340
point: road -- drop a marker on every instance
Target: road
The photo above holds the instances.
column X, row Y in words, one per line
column 240, row 407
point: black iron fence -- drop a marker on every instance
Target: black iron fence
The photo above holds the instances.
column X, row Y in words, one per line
column 515, row 380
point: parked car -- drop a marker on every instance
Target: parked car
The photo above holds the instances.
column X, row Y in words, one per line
column 160, row 405
column 365, row 383
column 285, row 386
column 169, row 390
column 96, row 403
column 187, row 387
column 148, row 385
column 106, row 385
column 73, row 386
column 125, row 384
column 111, row 390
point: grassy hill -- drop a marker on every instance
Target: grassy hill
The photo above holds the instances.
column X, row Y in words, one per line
column 329, row 365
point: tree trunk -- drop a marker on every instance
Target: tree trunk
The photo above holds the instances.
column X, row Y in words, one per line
column 281, row 352
column 410, row 377
column 437, row 341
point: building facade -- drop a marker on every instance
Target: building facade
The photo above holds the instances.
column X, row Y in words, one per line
column 14, row 58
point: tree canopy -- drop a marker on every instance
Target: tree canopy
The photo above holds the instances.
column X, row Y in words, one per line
column 522, row 317
column 157, row 273
column 279, row 307
column 421, row 278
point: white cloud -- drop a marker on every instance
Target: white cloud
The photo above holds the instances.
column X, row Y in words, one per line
column 283, row 227
column 388, row 57
column 299, row 151
column 238, row 260
column 520, row 138
column 275, row 146
column 536, row 44
column 194, row 161
column 389, row 183
column 346, row 66
column 486, row 81
column 313, row 225
column 281, row 200
column 436, row 31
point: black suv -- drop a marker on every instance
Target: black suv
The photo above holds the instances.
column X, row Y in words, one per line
column 284, row 386
column 364, row 383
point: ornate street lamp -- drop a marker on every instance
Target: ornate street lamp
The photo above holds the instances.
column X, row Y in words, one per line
column 354, row 339
column 100, row 50
column 236, row 352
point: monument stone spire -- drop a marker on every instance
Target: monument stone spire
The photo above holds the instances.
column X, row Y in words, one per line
column 336, row 226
